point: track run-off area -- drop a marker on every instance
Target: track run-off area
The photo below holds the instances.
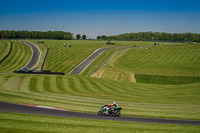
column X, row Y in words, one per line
column 49, row 111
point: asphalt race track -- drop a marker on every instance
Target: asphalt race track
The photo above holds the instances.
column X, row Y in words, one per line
column 35, row 56
column 77, row 70
column 18, row 108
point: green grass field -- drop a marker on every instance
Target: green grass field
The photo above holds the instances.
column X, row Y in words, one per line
column 165, row 64
column 20, row 123
column 113, row 82
column 64, row 59
column 175, row 60
column 18, row 58
column 4, row 48
column 85, row 94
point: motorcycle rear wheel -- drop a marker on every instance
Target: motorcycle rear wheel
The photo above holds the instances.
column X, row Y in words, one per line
column 116, row 113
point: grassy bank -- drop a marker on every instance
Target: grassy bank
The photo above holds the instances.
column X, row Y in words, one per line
column 12, row 122
column 168, row 64
column 19, row 57
column 4, row 48
column 85, row 94
column 64, row 59
column 167, row 80
column 171, row 60
column 114, row 83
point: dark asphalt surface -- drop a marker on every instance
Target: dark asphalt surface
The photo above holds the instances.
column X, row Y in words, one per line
column 35, row 56
column 18, row 108
column 77, row 70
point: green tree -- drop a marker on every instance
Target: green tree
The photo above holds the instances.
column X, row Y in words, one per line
column 104, row 37
column 78, row 36
column 84, row 37
column 67, row 37
column 98, row 37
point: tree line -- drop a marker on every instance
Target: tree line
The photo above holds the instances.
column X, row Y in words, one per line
column 36, row 34
column 154, row 36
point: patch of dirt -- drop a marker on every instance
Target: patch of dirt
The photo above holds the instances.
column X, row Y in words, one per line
column 98, row 74
column 117, row 76
column 133, row 78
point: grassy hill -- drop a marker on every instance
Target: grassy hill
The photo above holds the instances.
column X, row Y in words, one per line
column 165, row 64
column 85, row 94
column 18, row 58
column 4, row 48
column 64, row 59
column 114, row 83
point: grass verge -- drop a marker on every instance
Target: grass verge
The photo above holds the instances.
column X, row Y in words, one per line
column 4, row 48
column 13, row 122
column 85, row 94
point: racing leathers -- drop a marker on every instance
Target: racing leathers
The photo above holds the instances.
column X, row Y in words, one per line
column 108, row 108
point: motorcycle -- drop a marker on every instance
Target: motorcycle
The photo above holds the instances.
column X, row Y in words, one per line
column 107, row 111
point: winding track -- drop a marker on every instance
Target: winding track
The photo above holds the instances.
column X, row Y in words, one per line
column 35, row 56
column 77, row 70
column 18, row 108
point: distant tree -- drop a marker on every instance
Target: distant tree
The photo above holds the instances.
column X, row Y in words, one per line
column 78, row 36
column 98, row 37
column 84, row 37
column 68, row 36
column 104, row 37
column 112, row 37
column 11, row 34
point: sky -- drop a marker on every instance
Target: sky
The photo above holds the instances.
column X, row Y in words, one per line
column 101, row 17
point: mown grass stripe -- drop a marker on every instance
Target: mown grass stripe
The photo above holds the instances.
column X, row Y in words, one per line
column 46, row 84
column 17, row 58
column 59, row 83
column 83, row 86
column 24, row 85
column 12, row 83
column 5, row 48
column 52, row 83
column 2, row 80
column 66, row 84
column 71, row 84
column 4, row 65
column 33, row 84
column 97, row 86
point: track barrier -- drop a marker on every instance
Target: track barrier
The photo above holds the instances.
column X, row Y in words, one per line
column 44, row 59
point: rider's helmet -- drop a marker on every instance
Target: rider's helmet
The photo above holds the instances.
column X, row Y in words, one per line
column 114, row 103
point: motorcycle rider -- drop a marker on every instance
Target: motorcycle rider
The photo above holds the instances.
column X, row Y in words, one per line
column 109, row 107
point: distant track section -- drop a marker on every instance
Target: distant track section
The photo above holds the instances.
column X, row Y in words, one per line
column 77, row 70
column 18, row 108
column 35, row 56
column 111, row 58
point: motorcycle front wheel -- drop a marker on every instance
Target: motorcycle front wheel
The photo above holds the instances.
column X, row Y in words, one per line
column 100, row 113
